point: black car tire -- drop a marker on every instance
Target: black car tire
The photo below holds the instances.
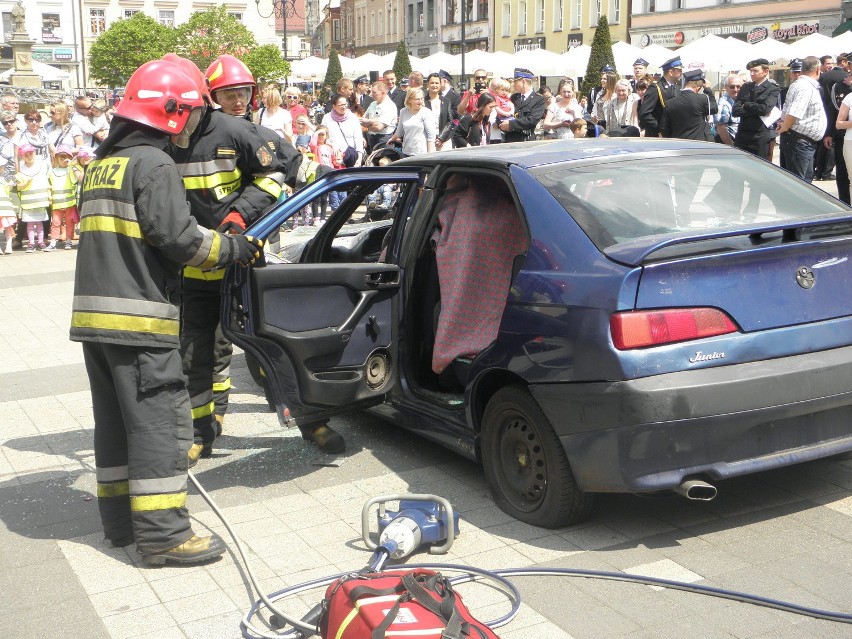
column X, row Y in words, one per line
column 525, row 465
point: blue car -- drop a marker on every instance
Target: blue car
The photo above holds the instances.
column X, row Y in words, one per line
column 579, row 316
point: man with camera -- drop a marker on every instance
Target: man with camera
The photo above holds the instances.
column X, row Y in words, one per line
column 467, row 104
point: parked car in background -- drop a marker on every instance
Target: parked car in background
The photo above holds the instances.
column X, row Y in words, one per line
column 579, row 316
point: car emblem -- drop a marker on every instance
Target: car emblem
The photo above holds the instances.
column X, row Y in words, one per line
column 805, row 277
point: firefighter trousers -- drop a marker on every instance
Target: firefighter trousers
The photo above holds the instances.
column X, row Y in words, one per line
column 206, row 356
column 143, row 431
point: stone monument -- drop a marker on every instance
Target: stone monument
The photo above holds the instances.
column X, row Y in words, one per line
column 22, row 51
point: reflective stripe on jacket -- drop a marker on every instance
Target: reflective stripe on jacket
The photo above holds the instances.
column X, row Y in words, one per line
column 135, row 232
column 64, row 187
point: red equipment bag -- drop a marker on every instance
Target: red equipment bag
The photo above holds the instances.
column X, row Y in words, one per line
column 405, row 603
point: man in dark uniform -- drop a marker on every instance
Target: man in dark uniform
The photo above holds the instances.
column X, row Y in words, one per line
column 686, row 117
column 530, row 108
column 362, row 92
column 658, row 94
column 135, row 232
column 640, row 68
column 834, row 136
column 756, row 100
column 826, row 156
column 449, row 108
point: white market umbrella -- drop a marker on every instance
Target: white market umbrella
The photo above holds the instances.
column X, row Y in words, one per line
column 815, row 44
column 540, row 61
column 478, row 59
column 844, row 41
column 656, row 54
column 443, row 61
column 576, row 60
column 310, row 67
column 45, row 71
column 503, row 64
column 362, row 65
column 773, row 50
column 711, row 53
column 625, row 55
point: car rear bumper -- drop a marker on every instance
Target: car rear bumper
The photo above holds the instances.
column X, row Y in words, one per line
column 651, row 433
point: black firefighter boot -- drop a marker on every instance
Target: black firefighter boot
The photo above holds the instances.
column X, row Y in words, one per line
column 326, row 438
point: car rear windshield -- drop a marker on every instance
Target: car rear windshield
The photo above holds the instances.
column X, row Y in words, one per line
column 625, row 200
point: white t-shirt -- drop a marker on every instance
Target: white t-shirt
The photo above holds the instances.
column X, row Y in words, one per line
column 848, row 102
column 385, row 112
column 416, row 129
column 281, row 122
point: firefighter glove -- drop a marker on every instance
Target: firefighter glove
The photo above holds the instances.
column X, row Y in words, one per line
column 245, row 249
column 233, row 223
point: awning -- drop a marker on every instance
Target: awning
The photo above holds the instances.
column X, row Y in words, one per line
column 47, row 73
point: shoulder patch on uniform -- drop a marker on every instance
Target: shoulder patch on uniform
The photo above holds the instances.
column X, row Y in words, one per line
column 225, row 152
column 264, row 156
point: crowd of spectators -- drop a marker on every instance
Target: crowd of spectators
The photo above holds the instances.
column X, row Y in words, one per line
column 43, row 154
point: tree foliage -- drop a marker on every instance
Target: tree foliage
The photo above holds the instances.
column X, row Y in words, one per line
column 119, row 51
column 266, row 63
column 401, row 63
column 208, row 34
column 333, row 73
column 600, row 56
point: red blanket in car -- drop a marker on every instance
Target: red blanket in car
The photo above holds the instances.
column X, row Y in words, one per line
column 479, row 235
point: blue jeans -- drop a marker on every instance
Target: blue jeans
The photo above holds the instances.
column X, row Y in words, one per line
column 798, row 155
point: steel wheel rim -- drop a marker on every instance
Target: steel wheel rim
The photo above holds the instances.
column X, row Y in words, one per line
column 523, row 466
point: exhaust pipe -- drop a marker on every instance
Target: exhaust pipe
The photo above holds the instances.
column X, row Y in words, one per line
column 697, row 490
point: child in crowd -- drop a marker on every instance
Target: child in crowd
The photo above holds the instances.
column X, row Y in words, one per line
column 325, row 157
column 64, row 179
column 579, row 128
column 34, row 190
column 504, row 108
column 8, row 218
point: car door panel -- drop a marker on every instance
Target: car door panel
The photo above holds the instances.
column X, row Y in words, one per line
column 330, row 318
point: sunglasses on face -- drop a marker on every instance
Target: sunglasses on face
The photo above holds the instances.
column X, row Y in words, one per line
column 32, row 120
column 292, row 97
column 479, row 77
column 9, row 123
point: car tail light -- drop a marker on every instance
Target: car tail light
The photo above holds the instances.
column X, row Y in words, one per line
column 637, row 329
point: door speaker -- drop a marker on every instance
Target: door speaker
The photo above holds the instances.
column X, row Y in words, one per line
column 377, row 370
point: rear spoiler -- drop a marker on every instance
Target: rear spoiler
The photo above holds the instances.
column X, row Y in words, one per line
column 635, row 252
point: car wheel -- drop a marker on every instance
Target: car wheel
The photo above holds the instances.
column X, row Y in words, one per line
column 525, row 465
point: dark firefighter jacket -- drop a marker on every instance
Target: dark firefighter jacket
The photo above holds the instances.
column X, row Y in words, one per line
column 232, row 165
column 135, row 232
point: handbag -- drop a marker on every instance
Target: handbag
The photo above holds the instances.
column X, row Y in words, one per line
column 417, row 603
column 350, row 155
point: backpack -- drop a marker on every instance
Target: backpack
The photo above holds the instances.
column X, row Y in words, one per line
column 416, row 602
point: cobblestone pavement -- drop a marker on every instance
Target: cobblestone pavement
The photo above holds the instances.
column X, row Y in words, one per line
column 784, row 534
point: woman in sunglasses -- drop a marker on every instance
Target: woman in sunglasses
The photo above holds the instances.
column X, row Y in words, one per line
column 293, row 104
column 10, row 140
column 60, row 129
column 35, row 135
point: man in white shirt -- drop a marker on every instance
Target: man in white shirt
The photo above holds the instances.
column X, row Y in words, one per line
column 82, row 118
column 803, row 122
column 381, row 116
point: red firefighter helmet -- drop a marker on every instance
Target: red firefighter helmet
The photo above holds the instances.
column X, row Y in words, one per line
column 192, row 70
column 160, row 95
column 227, row 72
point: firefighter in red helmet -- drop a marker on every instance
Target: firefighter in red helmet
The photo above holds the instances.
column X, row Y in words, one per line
column 135, row 233
column 233, row 88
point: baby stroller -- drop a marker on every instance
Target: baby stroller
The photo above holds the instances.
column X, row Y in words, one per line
column 380, row 202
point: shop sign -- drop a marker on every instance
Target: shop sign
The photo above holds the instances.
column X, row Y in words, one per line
column 758, row 34
column 529, row 44
column 43, row 55
column 663, row 38
column 576, row 40
column 724, row 30
column 791, row 30
column 63, row 54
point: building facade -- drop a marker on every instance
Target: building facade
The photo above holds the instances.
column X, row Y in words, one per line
column 674, row 23
column 555, row 25
column 63, row 31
